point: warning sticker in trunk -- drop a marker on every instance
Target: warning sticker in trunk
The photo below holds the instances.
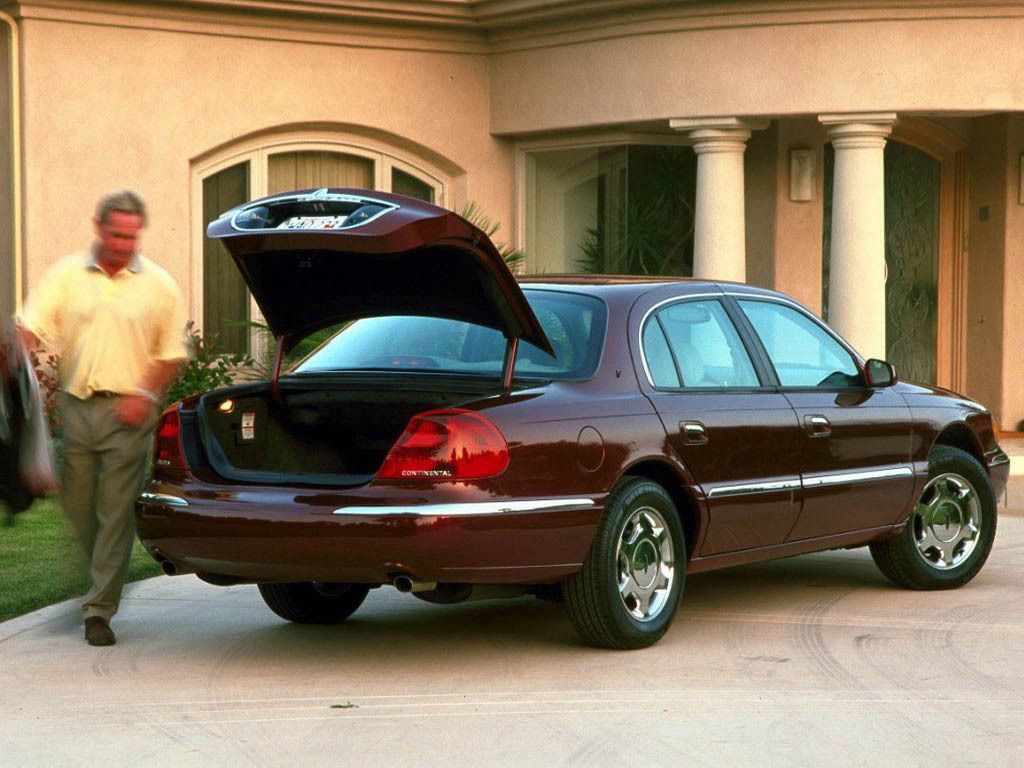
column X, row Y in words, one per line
column 249, row 425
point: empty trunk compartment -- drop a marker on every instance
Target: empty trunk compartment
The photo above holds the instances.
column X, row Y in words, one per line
column 320, row 433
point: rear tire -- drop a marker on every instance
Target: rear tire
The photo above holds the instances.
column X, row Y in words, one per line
column 314, row 602
column 627, row 592
column 950, row 531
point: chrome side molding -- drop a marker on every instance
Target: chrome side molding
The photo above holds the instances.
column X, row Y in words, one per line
column 813, row 481
column 839, row 478
column 162, row 498
column 766, row 487
column 471, row 508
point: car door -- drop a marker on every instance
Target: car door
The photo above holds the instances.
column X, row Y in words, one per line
column 738, row 437
column 855, row 440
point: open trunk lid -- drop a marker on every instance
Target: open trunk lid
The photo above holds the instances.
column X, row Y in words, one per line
column 315, row 258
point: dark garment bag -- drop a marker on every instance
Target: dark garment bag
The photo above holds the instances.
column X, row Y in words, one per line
column 24, row 435
column 13, row 492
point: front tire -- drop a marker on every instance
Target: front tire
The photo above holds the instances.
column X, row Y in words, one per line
column 627, row 592
column 950, row 531
column 313, row 602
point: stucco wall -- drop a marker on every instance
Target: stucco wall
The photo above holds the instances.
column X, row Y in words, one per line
column 798, row 224
column 783, row 235
column 759, row 205
column 1013, row 286
column 764, row 64
column 7, row 287
column 107, row 106
column 987, row 242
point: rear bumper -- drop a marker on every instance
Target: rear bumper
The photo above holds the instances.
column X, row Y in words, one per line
column 284, row 535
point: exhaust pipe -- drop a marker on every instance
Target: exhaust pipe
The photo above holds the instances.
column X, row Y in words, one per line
column 168, row 566
column 406, row 584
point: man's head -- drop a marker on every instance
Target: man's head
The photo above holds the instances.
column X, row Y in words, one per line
column 119, row 219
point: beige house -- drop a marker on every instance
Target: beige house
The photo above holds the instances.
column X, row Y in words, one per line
column 862, row 155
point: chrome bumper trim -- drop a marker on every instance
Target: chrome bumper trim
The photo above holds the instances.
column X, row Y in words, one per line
column 471, row 508
column 841, row 478
column 162, row 498
column 766, row 487
column 999, row 459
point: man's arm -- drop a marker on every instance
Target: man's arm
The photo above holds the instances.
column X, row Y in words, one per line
column 133, row 409
column 160, row 375
column 29, row 339
column 39, row 320
column 158, row 378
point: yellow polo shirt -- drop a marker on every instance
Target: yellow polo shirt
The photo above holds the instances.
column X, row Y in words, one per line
column 106, row 331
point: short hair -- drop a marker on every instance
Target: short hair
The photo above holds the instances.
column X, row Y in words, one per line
column 122, row 201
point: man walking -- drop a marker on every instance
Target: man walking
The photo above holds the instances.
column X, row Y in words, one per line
column 116, row 322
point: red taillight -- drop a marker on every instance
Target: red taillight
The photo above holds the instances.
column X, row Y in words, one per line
column 447, row 444
column 167, row 450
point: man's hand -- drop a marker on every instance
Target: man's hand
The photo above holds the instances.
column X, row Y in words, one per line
column 39, row 482
column 133, row 410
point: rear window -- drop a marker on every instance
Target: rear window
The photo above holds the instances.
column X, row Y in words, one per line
column 574, row 324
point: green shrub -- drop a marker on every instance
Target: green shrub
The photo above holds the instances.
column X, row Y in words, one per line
column 49, row 386
column 206, row 368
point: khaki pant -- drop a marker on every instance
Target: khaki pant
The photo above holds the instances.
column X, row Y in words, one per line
column 103, row 472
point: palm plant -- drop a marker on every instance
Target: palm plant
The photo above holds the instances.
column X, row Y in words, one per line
column 472, row 213
column 652, row 232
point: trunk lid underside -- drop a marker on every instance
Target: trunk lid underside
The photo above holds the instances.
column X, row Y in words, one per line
column 317, row 258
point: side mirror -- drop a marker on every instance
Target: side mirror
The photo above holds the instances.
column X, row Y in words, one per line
column 879, row 373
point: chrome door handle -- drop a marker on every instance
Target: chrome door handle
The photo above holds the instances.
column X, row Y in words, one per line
column 693, row 432
column 818, row 425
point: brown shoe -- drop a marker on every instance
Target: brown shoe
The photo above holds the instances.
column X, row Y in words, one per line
column 98, row 632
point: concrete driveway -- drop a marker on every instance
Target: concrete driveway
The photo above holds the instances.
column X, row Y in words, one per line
column 809, row 661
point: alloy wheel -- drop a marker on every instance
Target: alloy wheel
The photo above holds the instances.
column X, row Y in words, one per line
column 645, row 564
column 947, row 521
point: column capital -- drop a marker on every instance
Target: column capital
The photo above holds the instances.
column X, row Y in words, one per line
column 718, row 134
column 859, row 130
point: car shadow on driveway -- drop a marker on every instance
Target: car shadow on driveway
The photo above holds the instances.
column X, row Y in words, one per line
column 394, row 628
column 777, row 581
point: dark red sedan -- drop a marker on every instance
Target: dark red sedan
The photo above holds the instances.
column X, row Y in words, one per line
column 587, row 439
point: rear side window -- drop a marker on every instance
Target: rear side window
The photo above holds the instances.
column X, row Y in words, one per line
column 703, row 346
column 574, row 324
column 659, row 357
column 803, row 353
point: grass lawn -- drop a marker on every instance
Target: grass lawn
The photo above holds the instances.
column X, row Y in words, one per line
column 40, row 561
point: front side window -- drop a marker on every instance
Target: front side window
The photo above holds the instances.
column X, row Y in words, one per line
column 703, row 344
column 574, row 324
column 803, row 353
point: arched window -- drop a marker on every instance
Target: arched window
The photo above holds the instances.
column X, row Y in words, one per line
column 249, row 173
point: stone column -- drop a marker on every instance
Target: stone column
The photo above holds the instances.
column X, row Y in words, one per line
column 856, row 281
column 719, row 244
